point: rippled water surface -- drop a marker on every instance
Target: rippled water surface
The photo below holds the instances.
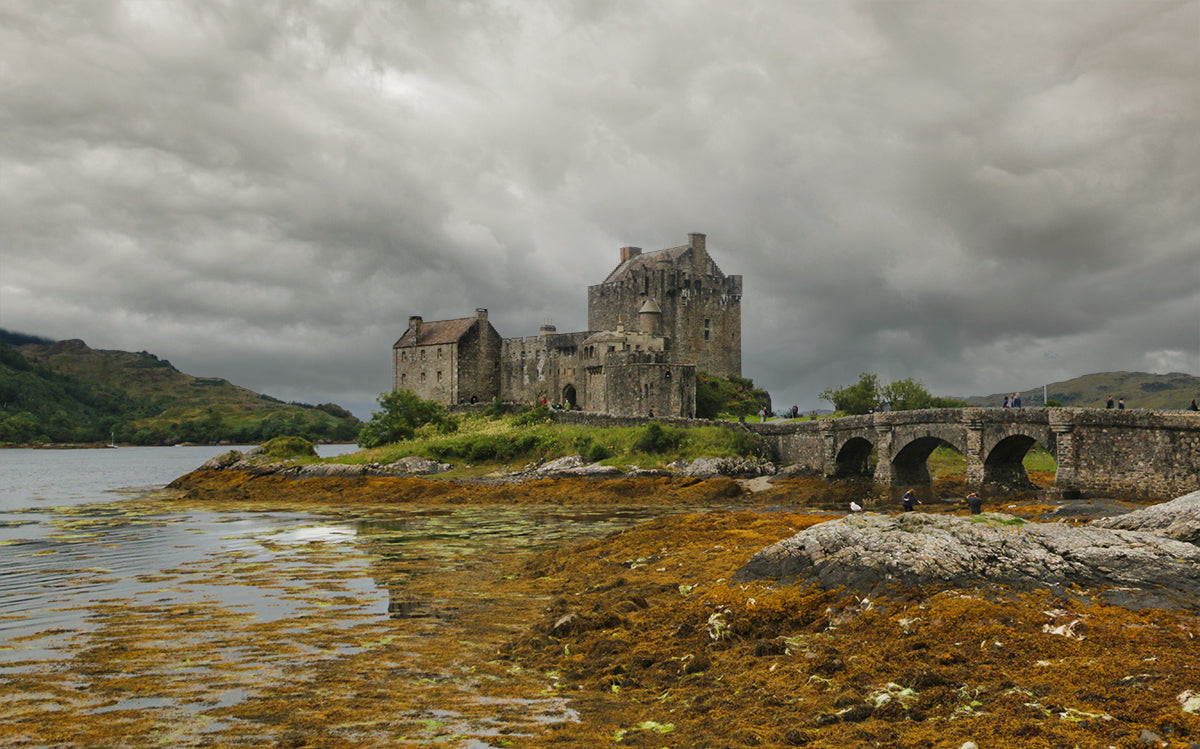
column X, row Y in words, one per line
column 174, row 614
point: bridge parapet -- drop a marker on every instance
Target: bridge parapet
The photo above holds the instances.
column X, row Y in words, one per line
column 1148, row 454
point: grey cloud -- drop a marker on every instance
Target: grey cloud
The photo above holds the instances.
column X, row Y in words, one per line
column 973, row 194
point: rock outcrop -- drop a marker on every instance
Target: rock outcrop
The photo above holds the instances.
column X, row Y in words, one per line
column 1178, row 519
column 252, row 461
column 872, row 554
column 713, row 467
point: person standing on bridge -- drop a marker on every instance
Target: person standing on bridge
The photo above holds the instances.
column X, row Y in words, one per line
column 1110, row 402
column 1120, row 404
column 908, row 500
column 1016, row 400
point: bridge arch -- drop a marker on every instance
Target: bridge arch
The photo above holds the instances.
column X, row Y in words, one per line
column 854, row 459
column 910, row 464
column 1004, row 461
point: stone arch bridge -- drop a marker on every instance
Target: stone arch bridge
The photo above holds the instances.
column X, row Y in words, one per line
column 1148, row 454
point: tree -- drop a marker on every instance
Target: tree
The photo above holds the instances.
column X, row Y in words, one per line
column 902, row 395
column 905, row 395
column 858, row 398
column 400, row 414
column 732, row 395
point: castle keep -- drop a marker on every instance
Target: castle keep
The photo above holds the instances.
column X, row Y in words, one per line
column 657, row 319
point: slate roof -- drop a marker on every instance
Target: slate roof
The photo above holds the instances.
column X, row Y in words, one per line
column 438, row 332
column 648, row 260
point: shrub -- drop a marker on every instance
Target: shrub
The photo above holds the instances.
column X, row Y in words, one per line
column 537, row 415
column 401, row 413
column 288, row 447
column 656, row 438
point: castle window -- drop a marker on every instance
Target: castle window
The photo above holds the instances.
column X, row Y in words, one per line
column 403, row 356
column 403, row 378
column 668, row 375
column 439, row 352
column 439, row 373
column 422, row 354
column 612, row 349
column 422, row 377
column 706, row 330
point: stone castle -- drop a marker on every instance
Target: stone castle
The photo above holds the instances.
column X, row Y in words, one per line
column 657, row 319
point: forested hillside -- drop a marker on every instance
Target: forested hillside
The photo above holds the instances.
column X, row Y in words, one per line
column 66, row 392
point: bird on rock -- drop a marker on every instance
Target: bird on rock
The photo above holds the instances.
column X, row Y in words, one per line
column 855, row 507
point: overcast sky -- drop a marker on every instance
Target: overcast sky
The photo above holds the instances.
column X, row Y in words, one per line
column 984, row 196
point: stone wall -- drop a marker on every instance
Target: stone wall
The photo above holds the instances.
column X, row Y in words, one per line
column 428, row 371
column 700, row 308
column 477, row 362
column 1144, row 454
column 542, row 366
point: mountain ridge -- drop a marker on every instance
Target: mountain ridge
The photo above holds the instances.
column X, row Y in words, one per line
column 66, row 391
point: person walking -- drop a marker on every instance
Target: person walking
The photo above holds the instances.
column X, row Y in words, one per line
column 1110, row 402
column 908, row 500
column 975, row 503
column 1120, row 404
column 1016, row 401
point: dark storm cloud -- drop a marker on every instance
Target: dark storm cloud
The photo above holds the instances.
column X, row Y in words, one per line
column 985, row 196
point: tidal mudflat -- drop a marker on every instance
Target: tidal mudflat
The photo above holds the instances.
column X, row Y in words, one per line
column 567, row 613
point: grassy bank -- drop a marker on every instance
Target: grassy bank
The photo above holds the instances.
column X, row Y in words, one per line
column 479, row 440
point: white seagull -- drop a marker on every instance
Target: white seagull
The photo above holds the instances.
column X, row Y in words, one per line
column 855, row 507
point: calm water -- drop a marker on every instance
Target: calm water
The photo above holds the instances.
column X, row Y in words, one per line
column 78, row 559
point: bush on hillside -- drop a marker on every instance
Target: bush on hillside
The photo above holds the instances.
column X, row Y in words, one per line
column 400, row 414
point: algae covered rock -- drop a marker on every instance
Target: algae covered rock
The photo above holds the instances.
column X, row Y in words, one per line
column 223, row 461
column 286, row 447
column 1178, row 519
column 873, row 554
column 414, row 466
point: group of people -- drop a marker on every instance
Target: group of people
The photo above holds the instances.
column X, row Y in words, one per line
column 1012, row 401
column 909, row 502
column 1120, row 403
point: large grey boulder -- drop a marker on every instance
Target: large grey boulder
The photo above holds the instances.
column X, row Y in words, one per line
column 873, row 554
column 414, row 466
column 1178, row 519
column 707, row 468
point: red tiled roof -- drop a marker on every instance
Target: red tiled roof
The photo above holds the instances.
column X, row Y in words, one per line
column 437, row 332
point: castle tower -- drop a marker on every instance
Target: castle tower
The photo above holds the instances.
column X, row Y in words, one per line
column 699, row 306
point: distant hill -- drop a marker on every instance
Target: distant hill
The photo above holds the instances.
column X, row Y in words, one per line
column 64, row 391
column 1139, row 389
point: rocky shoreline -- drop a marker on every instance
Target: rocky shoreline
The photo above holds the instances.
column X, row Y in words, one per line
column 1156, row 565
column 795, row 622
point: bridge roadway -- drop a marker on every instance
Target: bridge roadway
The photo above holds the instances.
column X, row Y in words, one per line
column 1135, row 453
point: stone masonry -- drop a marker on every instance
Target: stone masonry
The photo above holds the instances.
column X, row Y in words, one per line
column 656, row 319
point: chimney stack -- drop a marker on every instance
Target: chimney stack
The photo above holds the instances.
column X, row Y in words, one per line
column 629, row 253
column 696, row 241
column 547, row 328
column 481, row 315
column 414, row 325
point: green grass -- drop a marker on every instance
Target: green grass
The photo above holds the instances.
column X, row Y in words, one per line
column 946, row 461
column 480, row 441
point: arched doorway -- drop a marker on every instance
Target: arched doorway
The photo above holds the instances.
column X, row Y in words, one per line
column 568, row 396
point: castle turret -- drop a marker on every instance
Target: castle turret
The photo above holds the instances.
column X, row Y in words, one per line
column 649, row 317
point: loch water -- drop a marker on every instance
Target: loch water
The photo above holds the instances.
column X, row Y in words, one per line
column 86, row 557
